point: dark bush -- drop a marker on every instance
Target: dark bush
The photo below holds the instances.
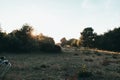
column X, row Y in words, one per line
column 50, row 48
column 57, row 48
column 46, row 47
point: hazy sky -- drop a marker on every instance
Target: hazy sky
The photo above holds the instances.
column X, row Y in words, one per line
column 60, row 18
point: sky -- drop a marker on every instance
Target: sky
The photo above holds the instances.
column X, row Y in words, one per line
column 60, row 18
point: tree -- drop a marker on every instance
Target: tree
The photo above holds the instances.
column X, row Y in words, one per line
column 22, row 40
column 63, row 41
column 72, row 42
column 2, row 40
column 46, row 43
column 111, row 40
column 87, row 37
column 25, row 36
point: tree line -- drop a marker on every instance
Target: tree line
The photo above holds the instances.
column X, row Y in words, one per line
column 22, row 40
column 108, row 41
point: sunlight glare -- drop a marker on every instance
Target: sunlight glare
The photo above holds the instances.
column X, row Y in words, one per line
column 34, row 33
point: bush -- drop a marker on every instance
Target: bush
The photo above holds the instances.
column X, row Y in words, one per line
column 50, row 48
column 46, row 47
column 57, row 48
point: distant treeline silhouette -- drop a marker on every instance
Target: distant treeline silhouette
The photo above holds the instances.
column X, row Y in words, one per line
column 108, row 41
column 22, row 40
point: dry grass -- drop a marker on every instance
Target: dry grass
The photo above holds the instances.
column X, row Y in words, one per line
column 67, row 65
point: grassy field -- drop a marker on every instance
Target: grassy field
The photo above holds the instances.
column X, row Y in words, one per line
column 71, row 64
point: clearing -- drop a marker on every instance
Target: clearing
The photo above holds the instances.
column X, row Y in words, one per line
column 68, row 65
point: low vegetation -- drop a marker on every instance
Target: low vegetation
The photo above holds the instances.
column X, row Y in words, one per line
column 98, row 65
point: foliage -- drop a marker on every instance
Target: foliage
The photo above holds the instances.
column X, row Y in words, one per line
column 109, row 40
column 2, row 40
column 71, row 42
column 63, row 41
column 87, row 37
column 22, row 40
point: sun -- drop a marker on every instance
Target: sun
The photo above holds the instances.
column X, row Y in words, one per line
column 33, row 33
